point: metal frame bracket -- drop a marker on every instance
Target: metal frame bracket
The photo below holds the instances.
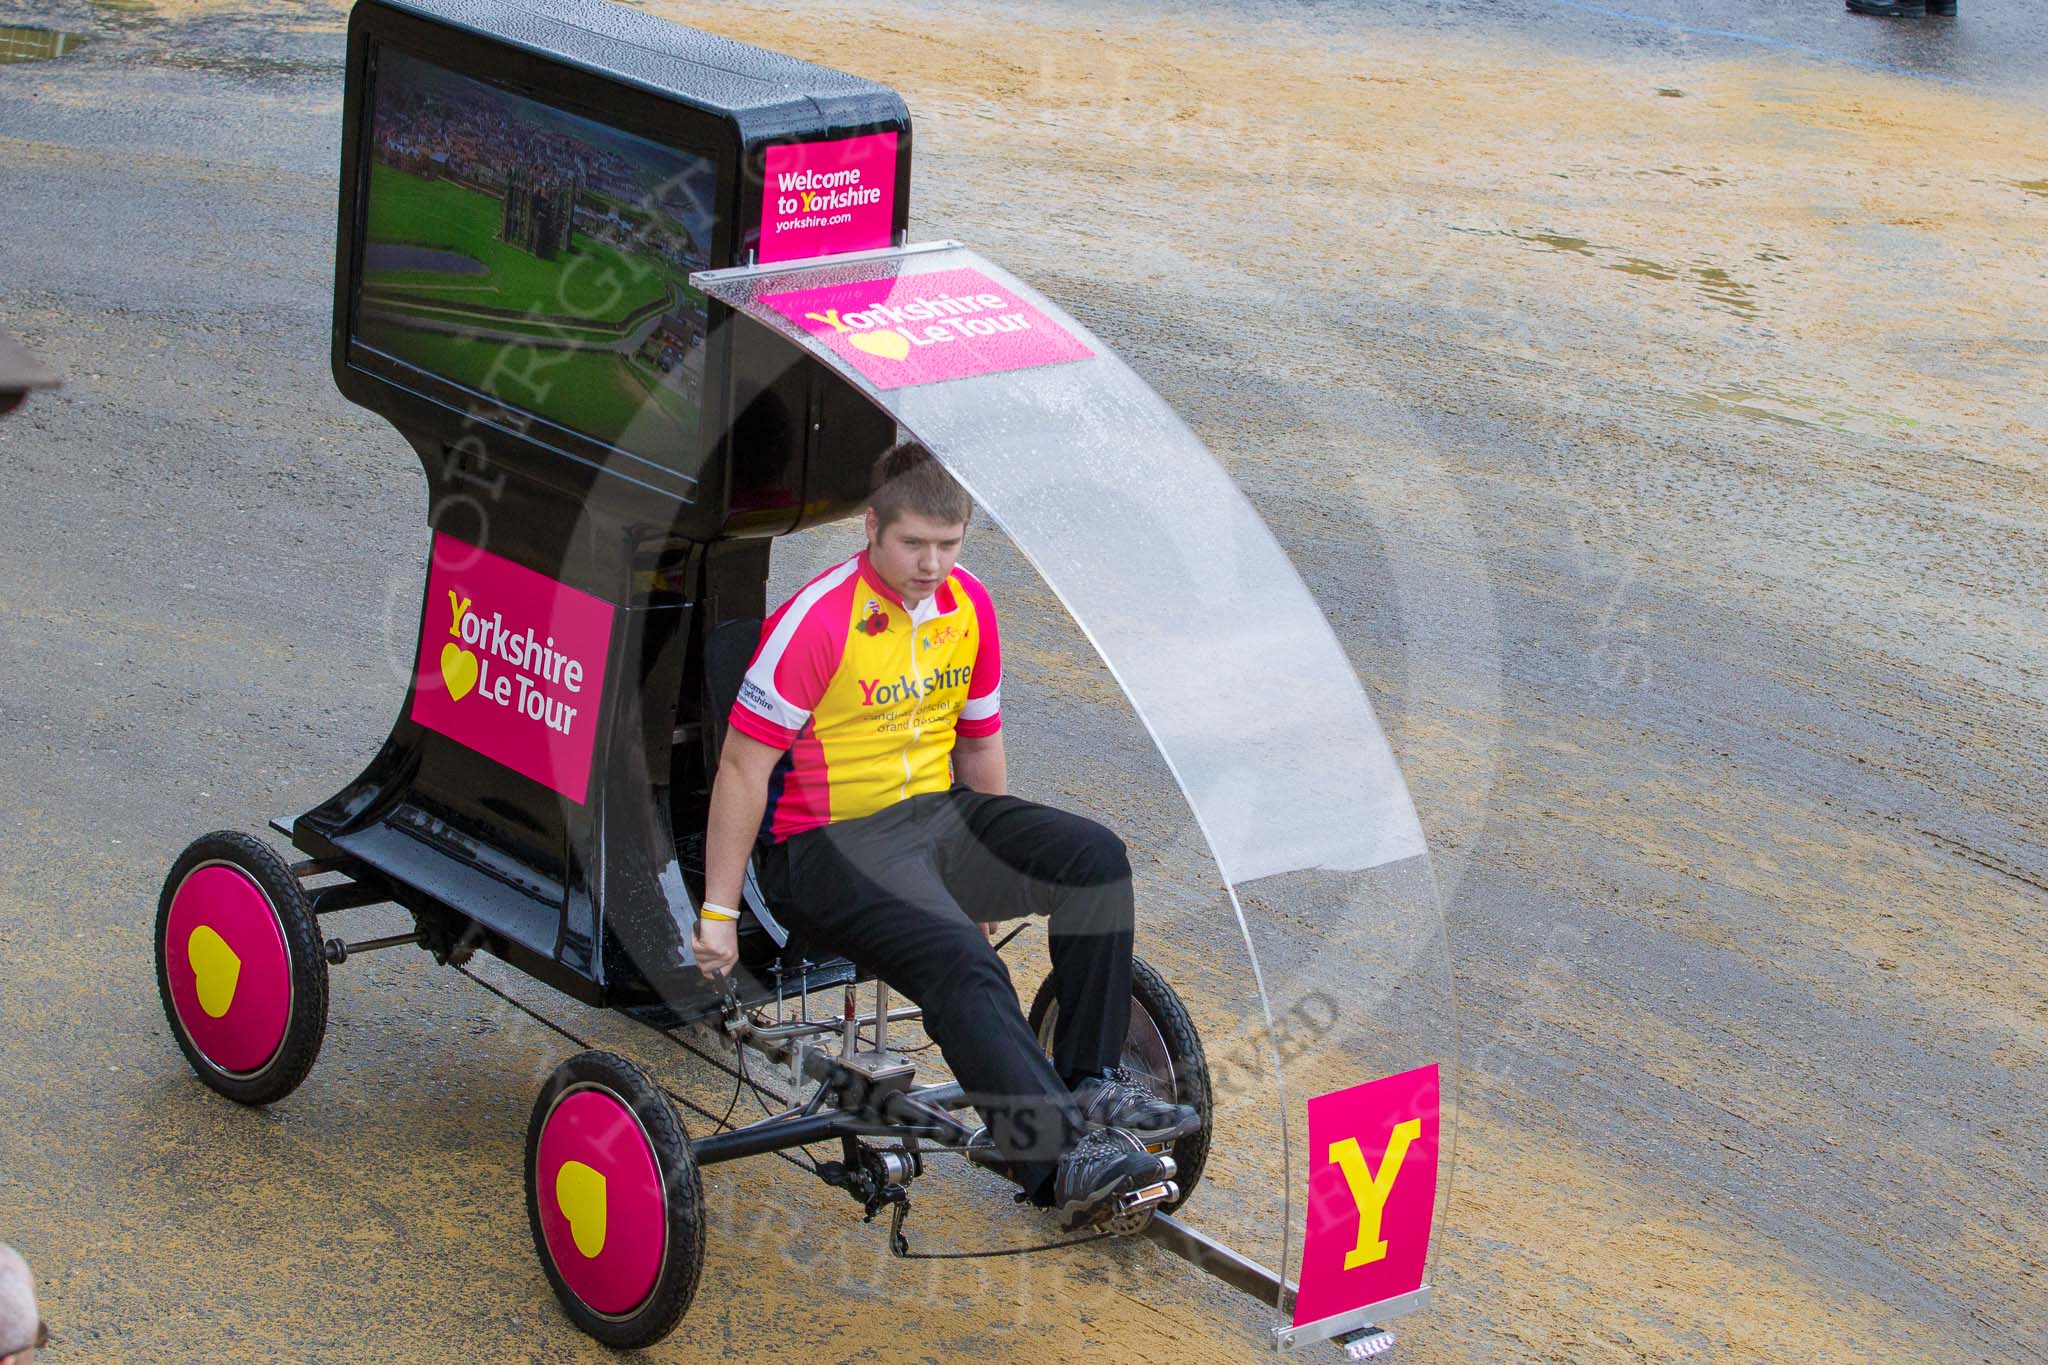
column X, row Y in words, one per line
column 1351, row 1320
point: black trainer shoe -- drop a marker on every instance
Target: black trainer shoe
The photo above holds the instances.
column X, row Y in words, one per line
column 1887, row 9
column 1942, row 9
column 1120, row 1100
column 1102, row 1166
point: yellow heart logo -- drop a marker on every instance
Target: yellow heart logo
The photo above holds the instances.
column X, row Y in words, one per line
column 217, row 969
column 579, row 1193
column 458, row 670
column 888, row 345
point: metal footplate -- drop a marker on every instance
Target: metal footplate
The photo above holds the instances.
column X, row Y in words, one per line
column 1357, row 1331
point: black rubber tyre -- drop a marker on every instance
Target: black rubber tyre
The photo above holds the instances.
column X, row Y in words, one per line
column 675, row 1283
column 306, row 1020
column 1154, row 1004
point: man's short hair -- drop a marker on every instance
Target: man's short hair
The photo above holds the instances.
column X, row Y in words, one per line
column 908, row 479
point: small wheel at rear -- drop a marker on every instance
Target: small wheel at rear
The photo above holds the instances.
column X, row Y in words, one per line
column 1162, row 1049
column 240, row 968
column 614, row 1200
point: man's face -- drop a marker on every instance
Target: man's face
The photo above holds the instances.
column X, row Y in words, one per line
column 913, row 553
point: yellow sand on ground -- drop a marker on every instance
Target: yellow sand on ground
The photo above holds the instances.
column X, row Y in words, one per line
column 1717, row 248
column 1514, row 180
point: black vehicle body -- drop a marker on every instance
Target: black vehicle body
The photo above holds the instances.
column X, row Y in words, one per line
column 581, row 894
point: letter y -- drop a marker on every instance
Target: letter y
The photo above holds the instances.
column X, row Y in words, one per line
column 1369, row 1189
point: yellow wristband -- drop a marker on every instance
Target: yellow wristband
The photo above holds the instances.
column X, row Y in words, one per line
column 717, row 912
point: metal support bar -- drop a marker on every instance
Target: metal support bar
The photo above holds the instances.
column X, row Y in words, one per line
column 700, row 278
column 762, row 1034
column 314, row 867
column 326, row 900
column 770, row 1135
column 337, row 952
column 945, row 1095
column 777, row 1134
column 1205, row 1253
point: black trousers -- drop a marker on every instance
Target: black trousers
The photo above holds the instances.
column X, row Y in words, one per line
column 902, row 892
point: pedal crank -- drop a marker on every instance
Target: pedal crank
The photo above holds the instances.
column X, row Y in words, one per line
column 1134, row 1207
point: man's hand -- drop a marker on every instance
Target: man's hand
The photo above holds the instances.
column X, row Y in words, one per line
column 717, row 945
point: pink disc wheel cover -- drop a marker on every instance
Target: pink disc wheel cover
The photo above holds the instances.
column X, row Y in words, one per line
column 602, row 1211
column 230, row 976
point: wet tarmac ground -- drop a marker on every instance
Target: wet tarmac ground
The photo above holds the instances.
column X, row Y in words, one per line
column 1656, row 413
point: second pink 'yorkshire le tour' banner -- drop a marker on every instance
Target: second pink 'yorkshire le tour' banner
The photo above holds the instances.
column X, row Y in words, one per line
column 921, row 329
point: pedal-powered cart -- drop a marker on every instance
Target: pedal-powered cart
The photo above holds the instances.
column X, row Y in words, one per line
column 638, row 297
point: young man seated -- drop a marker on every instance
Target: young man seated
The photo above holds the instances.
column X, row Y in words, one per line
column 867, row 745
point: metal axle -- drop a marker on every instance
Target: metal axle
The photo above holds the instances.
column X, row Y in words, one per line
column 337, row 952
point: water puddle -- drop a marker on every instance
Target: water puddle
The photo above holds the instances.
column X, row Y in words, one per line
column 1703, row 177
column 249, row 66
column 1713, row 283
column 1716, row 285
column 36, row 44
column 1649, row 270
column 1793, row 410
column 1578, row 246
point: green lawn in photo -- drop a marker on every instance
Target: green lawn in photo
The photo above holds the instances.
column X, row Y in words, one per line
column 451, row 311
column 674, row 407
column 600, row 393
column 594, row 283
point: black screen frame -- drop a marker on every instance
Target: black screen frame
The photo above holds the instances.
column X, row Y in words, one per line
column 438, row 410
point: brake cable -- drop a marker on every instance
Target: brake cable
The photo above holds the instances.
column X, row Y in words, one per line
column 899, row 1245
column 683, row 1100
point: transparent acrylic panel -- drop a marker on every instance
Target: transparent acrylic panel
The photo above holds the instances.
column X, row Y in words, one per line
column 1338, row 974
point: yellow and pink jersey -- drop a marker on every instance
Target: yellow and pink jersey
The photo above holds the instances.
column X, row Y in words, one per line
column 867, row 696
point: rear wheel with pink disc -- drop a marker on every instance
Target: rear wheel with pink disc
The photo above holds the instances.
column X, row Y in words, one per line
column 614, row 1199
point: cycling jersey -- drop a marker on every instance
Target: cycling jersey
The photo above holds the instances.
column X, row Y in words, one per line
column 865, row 696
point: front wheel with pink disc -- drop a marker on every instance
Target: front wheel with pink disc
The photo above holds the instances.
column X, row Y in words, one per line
column 614, row 1198
column 240, row 968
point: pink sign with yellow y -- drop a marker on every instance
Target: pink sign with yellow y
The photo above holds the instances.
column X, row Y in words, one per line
column 1371, row 1193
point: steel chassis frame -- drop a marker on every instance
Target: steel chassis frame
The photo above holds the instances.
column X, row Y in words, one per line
column 861, row 1094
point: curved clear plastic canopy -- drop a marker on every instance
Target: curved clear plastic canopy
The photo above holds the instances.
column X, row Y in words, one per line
column 1322, row 967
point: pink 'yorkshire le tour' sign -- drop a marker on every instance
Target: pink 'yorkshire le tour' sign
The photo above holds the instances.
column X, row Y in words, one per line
column 825, row 198
column 511, row 665
column 922, row 329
